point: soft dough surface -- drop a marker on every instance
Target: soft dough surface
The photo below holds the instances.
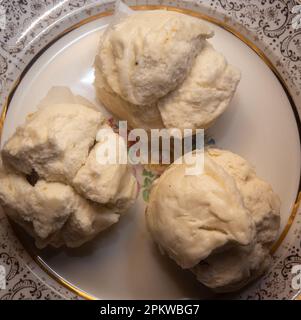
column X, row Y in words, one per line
column 156, row 69
column 220, row 224
column 75, row 196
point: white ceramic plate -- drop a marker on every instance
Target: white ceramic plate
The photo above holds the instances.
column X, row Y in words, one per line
column 123, row 263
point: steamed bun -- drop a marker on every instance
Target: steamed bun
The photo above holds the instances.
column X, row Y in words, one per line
column 156, row 69
column 71, row 196
column 219, row 224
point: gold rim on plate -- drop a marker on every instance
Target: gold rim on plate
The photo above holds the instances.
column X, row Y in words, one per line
column 199, row 15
